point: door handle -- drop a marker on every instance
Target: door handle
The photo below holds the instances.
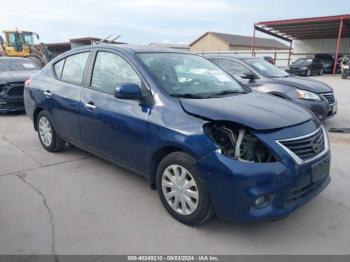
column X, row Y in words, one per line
column 47, row 93
column 90, row 106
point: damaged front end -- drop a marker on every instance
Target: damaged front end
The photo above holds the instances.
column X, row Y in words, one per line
column 237, row 142
column 11, row 97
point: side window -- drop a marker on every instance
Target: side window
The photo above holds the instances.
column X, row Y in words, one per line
column 234, row 68
column 74, row 68
column 111, row 70
column 58, row 68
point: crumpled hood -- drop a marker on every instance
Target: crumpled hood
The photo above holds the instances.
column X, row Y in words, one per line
column 254, row 110
column 15, row 76
column 304, row 83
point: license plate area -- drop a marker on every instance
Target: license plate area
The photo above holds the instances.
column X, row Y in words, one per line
column 320, row 170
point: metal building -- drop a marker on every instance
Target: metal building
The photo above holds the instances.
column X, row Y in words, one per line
column 219, row 42
column 329, row 34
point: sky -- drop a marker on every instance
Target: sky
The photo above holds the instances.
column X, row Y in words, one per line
column 157, row 21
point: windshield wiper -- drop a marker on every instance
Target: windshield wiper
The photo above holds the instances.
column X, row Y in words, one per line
column 227, row 92
column 188, row 95
column 279, row 76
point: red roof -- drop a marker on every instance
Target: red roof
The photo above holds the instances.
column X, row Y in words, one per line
column 306, row 28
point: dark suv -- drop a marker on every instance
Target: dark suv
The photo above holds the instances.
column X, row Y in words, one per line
column 306, row 67
column 267, row 78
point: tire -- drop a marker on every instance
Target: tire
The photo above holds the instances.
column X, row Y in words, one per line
column 196, row 209
column 321, row 72
column 47, row 134
column 308, row 72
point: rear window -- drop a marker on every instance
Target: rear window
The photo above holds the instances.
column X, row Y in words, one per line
column 74, row 67
column 58, row 68
column 7, row 65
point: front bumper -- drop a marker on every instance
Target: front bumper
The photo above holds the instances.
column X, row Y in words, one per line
column 234, row 186
column 299, row 72
column 11, row 105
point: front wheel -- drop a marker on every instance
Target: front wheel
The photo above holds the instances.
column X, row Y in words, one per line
column 308, row 72
column 181, row 192
column 47, row 134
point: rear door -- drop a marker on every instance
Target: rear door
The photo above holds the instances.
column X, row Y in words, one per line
column 112, row 127
column 62, row 97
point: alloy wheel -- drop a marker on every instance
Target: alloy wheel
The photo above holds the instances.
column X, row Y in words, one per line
column 180, row 189
column 45, row 131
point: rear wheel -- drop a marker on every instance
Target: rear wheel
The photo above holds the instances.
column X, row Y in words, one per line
column 181, row 192
column 47, row 134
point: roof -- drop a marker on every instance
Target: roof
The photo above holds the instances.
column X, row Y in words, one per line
column 241, row 40
column 132, row 48
column 169, row 45
column 306, row 28
column 230, row 56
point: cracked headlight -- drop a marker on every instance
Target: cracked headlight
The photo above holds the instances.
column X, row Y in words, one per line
column 307, row 95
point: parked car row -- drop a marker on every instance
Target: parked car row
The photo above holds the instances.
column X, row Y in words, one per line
column 317, row 65
column 205, row 141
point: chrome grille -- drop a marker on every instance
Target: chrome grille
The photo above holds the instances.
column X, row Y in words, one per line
column 306, row 147
column 15, row 89
column 329, row 97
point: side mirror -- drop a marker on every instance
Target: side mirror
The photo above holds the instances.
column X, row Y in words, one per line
column 249, row 76
column 128, row 91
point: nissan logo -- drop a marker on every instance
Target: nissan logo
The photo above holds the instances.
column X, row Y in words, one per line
column 315, row 146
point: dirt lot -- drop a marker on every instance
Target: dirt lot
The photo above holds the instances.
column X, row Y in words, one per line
column 75, row 203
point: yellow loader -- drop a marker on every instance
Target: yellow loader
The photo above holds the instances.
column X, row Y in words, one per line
column 17, row 43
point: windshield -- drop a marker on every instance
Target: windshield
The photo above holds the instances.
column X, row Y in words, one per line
column 302, row 61
column 265, row 68
column 16, row 65
column 28, row 39
column 18, row 39
column 192, row 76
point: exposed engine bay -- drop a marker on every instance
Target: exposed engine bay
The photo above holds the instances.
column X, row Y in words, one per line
column 237, row 142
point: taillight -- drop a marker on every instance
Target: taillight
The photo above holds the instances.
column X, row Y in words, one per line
column 27, row 83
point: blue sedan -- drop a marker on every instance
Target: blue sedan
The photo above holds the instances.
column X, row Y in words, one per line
column 208, row 144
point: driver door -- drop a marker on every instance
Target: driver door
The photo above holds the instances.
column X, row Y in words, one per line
column 111, row 127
